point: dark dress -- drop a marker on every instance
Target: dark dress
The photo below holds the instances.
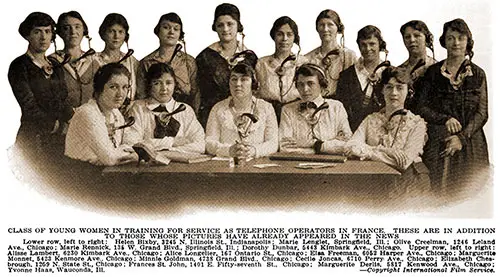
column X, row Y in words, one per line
column 213, row 81
column 350, row 93
column 438, row 101
column 43, row 101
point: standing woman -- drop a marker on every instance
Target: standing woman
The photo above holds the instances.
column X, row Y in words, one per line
column 215, row 60
column 114, row 32
column 331, row 56
column 96, row 131
column 40, row 91
column 170, row 32
column 417, row 38
column 275, row 72
column 358, row 87
column 454, row 101
column 79, row 66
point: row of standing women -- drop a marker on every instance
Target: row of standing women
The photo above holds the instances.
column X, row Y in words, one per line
column 451, row 95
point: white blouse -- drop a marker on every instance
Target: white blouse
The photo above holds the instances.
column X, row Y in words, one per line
column 269, row 80
column 222, row 131
column 88, row 138
column 339, row 63
column 332, row 127
column 402, row 132
column 190, row 137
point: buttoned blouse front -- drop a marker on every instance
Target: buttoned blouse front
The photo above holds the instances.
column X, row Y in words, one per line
column 332, row 123
column 190, row 137
column 222, row 132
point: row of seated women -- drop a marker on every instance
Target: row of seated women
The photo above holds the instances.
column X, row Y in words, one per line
column 451, row 96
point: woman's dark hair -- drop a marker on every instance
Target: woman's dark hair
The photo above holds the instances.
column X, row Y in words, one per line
column 73, row 14
column 246, row 69
column 460, row 26
column 421, row 27
column 283, row 21
column 228, row 9
column 330, row 14
column 309, row 69
column 400, row 74
column 369, row 31
column 104, row 74
column 112, row 19
column 37, row 19
column 172, row 17
column 155, row 71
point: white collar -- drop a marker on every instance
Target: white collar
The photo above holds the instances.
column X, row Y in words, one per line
column 153, row 103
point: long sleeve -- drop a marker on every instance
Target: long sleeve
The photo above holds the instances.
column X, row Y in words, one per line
column 193, row 137
column 286, row 130
column 480, row 117
column 195, row 90
column 426, row 92
column 270, row 144
column 19, row 81
column 88, row 140
column 213, row 138
column 412, row 149
column 336, row 146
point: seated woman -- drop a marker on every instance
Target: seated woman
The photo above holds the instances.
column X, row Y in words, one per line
column 214, row 62
column 313, row 124
column 114, row 32
column 394, row 135
column 275, row 72
column 331, row 56
column 241, row 125
column 38, row 85
column 454, row 101
column 153, row 126
column 170, row 32
column 96, row 130
column 416, row 37
column 358, row 87
column 79, row 66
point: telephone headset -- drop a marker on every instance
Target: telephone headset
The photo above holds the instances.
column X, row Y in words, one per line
column 165, row 117
column 247, row 57
column 373, row 80
column 280, row 71
column 401, row 112
column 411, row 90
column 313, row 120
column 244, row 126
column 323, row 81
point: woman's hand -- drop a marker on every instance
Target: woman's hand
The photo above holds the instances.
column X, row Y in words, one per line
column 453, row 126
column 398, row 155
column 453, row 144
column 239, row 150
column 288, row 142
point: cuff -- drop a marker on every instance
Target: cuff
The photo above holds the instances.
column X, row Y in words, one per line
column 317, row 146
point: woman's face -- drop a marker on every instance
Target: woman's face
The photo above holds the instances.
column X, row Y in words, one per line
column 414, row 41
column 456, row 43
column 370, row 48
column 39, row 39
column 284, row 38
column 240, row 85
column 395, row 93
column 114, row 37
column 169, row 33
column 72, row 31
column 162, row 88
column 327, row 29
column 226, row 28
column 308, row 87
column 114, row 92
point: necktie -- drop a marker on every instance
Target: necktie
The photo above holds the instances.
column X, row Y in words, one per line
column 307, row 105
column 160, row 109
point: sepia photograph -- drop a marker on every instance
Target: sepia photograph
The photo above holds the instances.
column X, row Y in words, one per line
column 231, row 114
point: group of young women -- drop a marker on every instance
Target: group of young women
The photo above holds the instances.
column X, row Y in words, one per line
column 227, row 102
